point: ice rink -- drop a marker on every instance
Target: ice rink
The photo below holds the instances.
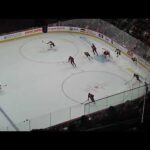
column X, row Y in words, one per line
column 37, row 80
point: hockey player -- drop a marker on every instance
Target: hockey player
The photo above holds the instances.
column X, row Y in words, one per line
column 71, row 60
column 91, row 96
column 137, row 77
column 51, row 44
column 94, row 49
column 118, row 51
column 134, row 59
column 106, row 53
column 87, row 55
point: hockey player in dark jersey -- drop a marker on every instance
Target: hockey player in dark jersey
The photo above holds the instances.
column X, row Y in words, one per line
column 94, row 49
column 87, row 55
column 118, row 51
column 71, row 60
column 137, row 77
column 91, row 96
column 51, row 44
column 134, row 59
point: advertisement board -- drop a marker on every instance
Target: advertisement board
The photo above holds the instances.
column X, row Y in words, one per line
column 13, row 35
column 20, row 34
column 32, row 31
column 58, row 28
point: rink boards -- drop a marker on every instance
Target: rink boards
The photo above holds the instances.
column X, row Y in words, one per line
column 90, row 33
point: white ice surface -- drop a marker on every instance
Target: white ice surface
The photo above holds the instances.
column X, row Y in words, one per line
column 40, row 81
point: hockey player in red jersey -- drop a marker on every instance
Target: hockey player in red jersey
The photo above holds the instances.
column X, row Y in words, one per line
column 106, row 53
column 71, row 60
column 94, row 49
column 91, row 96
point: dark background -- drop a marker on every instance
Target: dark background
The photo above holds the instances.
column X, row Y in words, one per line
column 11, row 25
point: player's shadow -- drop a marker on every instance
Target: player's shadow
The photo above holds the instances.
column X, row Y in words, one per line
column 53, row 49
column 101, row 58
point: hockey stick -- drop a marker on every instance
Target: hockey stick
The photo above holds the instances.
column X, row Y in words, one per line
column 128, row 81
column 84, row 102
column 143, row 78
column 136, row 83
column 63, row 62
column 44, row 42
